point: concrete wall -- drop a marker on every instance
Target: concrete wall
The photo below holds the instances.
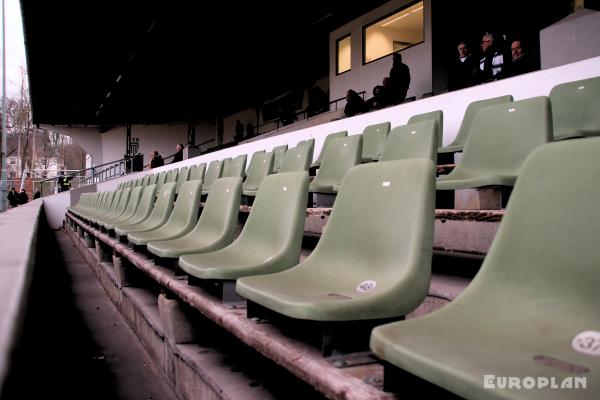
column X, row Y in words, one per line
column 366, row 77
column 90, row 139
column 571, row 39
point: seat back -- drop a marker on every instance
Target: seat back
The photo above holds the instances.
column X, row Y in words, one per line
column 342, row 154
column 296, row 159
column 575, row 108
column 418, row 140
column 146, row 180
column 153, row 179
column 472, row 109
column 261, row 165
column 163, row 205
column 311, row 144
column 214, row 171
column 276, row 223
column 145, row 206
column 123, row 200
column 236, row 167
column 328, row 140
column 546, row 248
column 389, row 240
column 172, row 175
column 185, row 213
column 197, row 172
column 226, row 162
column 162, row 178
column 374, row 137
column 183, row 176
column 132, row 203
column 278, row 153
column 502, row 136
column 435, row 115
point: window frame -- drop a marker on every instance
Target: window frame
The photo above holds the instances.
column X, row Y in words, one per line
column 337, row 54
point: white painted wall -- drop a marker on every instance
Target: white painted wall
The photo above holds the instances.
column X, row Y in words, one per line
column 571, row 39
column 366, row 77
column 453, row 105
column 90, row 139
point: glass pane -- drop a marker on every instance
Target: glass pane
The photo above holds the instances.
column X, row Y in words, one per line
column 396, row 32
column 344, row 55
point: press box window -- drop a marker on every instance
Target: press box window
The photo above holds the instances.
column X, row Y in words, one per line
column 344, row 55
column 395, row 32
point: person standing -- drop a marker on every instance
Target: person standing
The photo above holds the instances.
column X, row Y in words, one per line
column 399, row 80
column 492, row 59
column 179, row 154
column 23, row 198
column 157, row 160
column 13, row 198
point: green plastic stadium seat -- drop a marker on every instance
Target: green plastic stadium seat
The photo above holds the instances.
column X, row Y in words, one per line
column 500, row 139
column 434, row 115
column 153, row 179
column 374, row 137
column 271, row 238
column 146, row 180
column 236, row 167
column 328, row 140
column 142, row 211
column 226, row 162
column 296, row 159
column 197, row 172
column 162, row 178
column 342, row 154
column 216, row 227
column 117, row 211
column 182, row 219
column 183, row 176
column 278, row 153
column 418, row 140
column 371, row 264
column 172, row 175
column 261, row 165
column 532, row 309
column 160, row 213
column 459, row 141
column 575, row 108
column 214, row 171
column 130, row 208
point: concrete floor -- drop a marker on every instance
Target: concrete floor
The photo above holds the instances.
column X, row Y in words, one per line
column 74, row 343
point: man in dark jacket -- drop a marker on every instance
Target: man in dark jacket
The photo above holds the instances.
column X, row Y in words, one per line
column 157, row 160
column 399, row 80
column 179, row 155
column 23, row 198
column 13, row 198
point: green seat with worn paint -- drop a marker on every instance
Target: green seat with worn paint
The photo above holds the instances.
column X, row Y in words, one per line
column 197, row 172
column 500, row 139
column 271, row 239
column 142, row 211
column 132, row 204
column 216, row 227
column 575, row 108
column 160, row 213
column 342, row 154
column 526, row 312
column 162, row 178
column 172, row 175
column 118, row 210
column 261, row 166
column 374, row 137
column 433, row 115
column 278, row 153
column 236, row 167
column 226, row 162
column 183, row 176
column 418, row 140
column 182, row 219
column 153, row 179
column 308, row 142
column 328, row 139
column 146, row 180
column 108, row 207
column 373, row 263
column 296, row 159
column 214, row 171
column 459, row 141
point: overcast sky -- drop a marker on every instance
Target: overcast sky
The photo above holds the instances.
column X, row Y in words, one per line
column 15, row 47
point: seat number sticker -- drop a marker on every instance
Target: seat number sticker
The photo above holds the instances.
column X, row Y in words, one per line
column 366, row 286
column 587, row 342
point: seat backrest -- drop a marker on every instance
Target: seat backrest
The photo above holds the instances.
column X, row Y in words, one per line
column 153, row 179
column 172, row 175
column 575, row 107
column 502, row 136
column 162, row 178
column 123, row 200
column 374, row 137
column 183, row 176
column 261, row 165
column 145, row 206
column 328, row 140
column 310, row 143
column 163, row 205
column 471, row 111
column 236, row 167
column 278, row 153
column 296, row 159
column 226, row 162
column 214, row 171
column 381, row 226
column 185, row 213
column 197, row 173
column 342, row 154
column 276, row 223
column 220, row 213
column 418, row 140
column 133, row 202
column 546, row 247
column 435, row 115
column 146, row 180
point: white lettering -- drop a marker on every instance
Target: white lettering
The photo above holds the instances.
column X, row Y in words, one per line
column 514, row 382
column 543, row 382
column 580, row 382
column 501, row 382
column 488, row 382
column 529, row 382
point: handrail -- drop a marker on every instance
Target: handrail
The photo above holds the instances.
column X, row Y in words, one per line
column 255, row 131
